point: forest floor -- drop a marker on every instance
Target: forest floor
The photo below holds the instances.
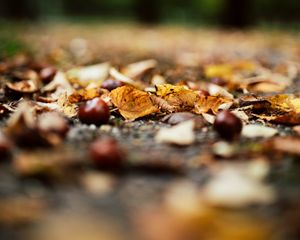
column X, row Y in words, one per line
column 209, row 187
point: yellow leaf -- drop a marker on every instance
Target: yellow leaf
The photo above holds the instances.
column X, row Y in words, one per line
column 65, row 106
column 210, row 103
column 227, row 70
column 179, row 97
column 296, row 104
column 132, row 103
column 222, row 70
column 85, row 95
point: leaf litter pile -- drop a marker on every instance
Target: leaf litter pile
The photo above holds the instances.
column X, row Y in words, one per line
column 161, row 134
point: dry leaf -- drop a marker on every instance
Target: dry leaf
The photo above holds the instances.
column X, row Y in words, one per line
column 65, row 106
column 254, row 131
column 283, row 108
column 163, row 105
column 267, row 82
column 177, row 96
column 89, row 74
column 218, row 91
column 181, row 134
column 132, row 103
column 114, row 73
column 158, row 80
column 228, row 70
column 26, row 86
column 59, row 85
column 136, row 70
column 210, row 103
column 83, row 95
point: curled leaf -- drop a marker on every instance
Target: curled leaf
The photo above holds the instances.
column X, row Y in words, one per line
column 210, row 103
column 178, row 97
column 137, row 69
column 89, row 74
column 181, row 134
column 85, row 95
column 132, row 103
column 25, row 86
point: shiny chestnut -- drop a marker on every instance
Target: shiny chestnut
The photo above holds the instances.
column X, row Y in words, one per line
column 228, row 125
column 106, row 154
column 94, row 111
column 47, row 74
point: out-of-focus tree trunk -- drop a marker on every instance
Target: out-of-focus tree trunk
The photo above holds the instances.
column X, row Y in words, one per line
column 148, row 12
column 237, row 13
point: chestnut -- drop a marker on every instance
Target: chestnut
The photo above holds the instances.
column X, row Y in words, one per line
column 47, row 74
column 106, row 154
column 94, row 111
column 111, row 84
column 228, row 125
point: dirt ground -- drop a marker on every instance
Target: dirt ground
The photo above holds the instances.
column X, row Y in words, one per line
column 161, row 193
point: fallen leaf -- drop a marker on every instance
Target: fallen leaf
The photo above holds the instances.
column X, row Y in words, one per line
column 211, row 103
column 89, row 74
column 254, row 131
column 228, row 70
column 25, row 86
column 65, row 106
column 136, row 70
column 177, row 96
column 218, row 91
column 132, row 103
column 181, row 134
column 83, row 95
column 158, row 80
column 58, row 85
column 114, row 73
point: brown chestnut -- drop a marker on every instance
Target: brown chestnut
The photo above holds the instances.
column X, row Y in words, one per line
column 106, row 154
column 111, row 84
column 228, row 125
column 94, row 111
column 47, row 74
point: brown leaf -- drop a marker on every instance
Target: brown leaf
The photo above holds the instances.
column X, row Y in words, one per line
column 132, row 103
column 83, row 95
column 83, row 76
column 283, row 108
column 26, row 86
column 136, row 70
column 65, row 106
column 210, row 103
column 162, row 104
column 179, row 97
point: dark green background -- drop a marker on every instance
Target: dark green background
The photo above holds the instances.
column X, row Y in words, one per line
column 236, row 13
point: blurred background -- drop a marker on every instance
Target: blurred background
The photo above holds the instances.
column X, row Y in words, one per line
column 225, row 13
